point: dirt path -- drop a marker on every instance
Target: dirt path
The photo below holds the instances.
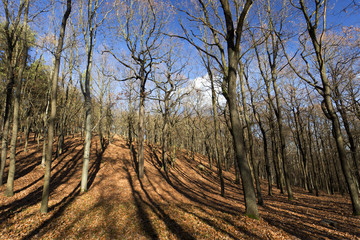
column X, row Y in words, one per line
column 185, row 205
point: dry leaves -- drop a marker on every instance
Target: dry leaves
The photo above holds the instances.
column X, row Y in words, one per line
column 187, row 205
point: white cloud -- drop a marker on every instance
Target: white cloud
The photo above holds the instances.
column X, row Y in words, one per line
column 201, row 86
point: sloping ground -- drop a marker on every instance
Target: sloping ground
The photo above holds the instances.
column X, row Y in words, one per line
column 185, row 205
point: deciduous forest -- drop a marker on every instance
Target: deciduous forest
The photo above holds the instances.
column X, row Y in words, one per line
column 196, row 119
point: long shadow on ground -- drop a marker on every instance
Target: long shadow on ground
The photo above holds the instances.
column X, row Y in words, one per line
column 62, row 205
column 59, row 177
column 286, row 219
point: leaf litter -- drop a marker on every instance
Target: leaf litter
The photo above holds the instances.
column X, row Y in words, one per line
column 184, row 204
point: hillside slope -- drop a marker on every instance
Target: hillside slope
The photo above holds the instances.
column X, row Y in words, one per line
column 184, row 205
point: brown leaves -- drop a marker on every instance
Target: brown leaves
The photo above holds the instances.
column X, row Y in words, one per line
column 187, row 206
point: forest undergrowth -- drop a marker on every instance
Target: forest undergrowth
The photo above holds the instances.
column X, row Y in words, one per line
column 184, row 204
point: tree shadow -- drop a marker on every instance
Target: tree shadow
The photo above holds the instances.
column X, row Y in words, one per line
column 302, row 210
column 144, row 217
column 59, row 177
column 200, row 191
column 153, row 155
column 57, row 163
column 141, row 212
column 61, row 206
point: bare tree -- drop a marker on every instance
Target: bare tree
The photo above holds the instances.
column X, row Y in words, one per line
column 315, row 20
column 54, row 85
column 89, row 25
column 227, row 30
column 23, row 51
column 270, row 63
column 140, row 26
column 169, row 80
column 11, row 30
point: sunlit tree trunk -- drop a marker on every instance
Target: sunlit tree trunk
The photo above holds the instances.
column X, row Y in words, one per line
column 55, row 77
column 327, row 103
column 12, row 31
column 24, row 51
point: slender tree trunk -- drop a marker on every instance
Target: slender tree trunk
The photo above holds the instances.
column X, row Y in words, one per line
column 4, row 144
column 43, row 157
column 249, row 135
column 10, row 60
column 87, row 145
column 284, row 159
column 217, row 153
column 353, row 147
column 11, row 175
column 46, row 188
column 267, row 160
column 23, row 54
column 27, row 132
column 327, row 104
column 6, row 119
column 141, row 127
column 89, row 36
column 165, row 140
column 100, row 128
column 276, row 159
column 265, row 145
column 314, row 171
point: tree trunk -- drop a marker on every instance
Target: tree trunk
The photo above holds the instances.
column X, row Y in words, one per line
column 217, row 152
column 164, row 144
column 27, row 132
column 238, row 138
column 249, row 135
column 87, row 145
column 55, row 77
column 328, row 107
column 11, row 175
column 4, row 144
column 141, row 128
column 278, row 113
column 23, row 49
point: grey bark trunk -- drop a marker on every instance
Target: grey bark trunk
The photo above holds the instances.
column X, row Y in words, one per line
column 141, row 127
column 47, row 176
column 329, row 110
column 217, row 153
column 238, row 139
column 11, row 175
column 23, row 54
column 87, row 145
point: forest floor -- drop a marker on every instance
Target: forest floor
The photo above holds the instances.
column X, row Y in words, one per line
column 184, row 205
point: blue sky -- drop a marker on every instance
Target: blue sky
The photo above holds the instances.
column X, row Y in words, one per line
column 46, row 24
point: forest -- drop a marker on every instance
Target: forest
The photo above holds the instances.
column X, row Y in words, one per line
column 194, row 119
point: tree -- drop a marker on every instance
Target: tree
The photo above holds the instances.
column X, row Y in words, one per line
column 315, row 20
column 89, row 30
column 168, row 81
column 231, row 31
column 23, row 49
column 140, row 26
column 11, row 32
column 270, row 65
column 54, row 86
column 206, row 61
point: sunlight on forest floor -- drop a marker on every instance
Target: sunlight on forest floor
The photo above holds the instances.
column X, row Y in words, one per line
column 185, row 205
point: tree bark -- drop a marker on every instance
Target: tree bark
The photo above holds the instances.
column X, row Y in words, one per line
column 55, row 77
column 233, row 54
column 329, row 110
column 141, row 129
column 11, row 32
column 11, row 175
